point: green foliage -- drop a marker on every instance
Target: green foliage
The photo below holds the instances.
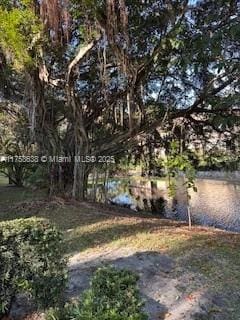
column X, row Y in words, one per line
column 179, row 162
column 31, row 261
column 38, row 177
column 174, row 60
column 125, row 164
column 15, row 167
column 19, row 33
column 216, row 159
column 113, row 295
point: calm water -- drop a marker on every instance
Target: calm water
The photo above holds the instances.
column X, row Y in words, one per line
column 217, row 203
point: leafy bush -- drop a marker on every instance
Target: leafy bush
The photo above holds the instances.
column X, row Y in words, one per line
column 9, row 263
column 113, row 295
column 38, row 177
column 31, row 261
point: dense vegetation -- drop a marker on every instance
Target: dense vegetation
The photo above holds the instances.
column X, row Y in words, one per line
column 90, row 89
column 31, row 262
column 93, row 79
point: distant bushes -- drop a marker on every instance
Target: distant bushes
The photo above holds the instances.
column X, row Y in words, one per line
column 38, row 177
column 113, row 295
column 31, row 261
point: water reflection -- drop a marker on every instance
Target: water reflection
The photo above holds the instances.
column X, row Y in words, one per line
column 216, row 203
column 139, row 195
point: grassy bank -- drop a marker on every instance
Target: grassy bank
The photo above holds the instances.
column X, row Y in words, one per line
column 211, row 256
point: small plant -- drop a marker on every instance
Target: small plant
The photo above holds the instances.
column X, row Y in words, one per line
column 113, row 295
column 178, row 162
column 31, row 261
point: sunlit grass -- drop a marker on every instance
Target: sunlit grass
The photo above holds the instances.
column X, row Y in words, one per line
column 212, row 254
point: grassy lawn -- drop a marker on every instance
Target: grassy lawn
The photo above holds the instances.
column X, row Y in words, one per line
column 212, row 255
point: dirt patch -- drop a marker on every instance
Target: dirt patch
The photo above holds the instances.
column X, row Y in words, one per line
column 183, row 274
column 159, row 284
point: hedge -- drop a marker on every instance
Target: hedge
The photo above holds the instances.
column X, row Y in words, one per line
column 31, row 261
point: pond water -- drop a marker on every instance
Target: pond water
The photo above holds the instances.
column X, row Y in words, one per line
column 216, row 203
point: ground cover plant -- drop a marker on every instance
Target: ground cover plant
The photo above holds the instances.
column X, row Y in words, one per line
column 113, row 295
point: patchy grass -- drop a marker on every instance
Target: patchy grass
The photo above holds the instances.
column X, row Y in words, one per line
column 209, row 254
column 18, row 202
column 3, row 180
column 12, row 195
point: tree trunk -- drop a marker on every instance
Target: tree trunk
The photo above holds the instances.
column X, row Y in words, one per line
column 80, row 174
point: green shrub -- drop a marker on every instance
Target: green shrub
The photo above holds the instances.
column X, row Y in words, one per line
column 31, row 261
column 38, row 177
column 9, row 263
column 113, row 295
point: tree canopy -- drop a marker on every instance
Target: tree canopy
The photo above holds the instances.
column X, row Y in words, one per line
column 95, row 77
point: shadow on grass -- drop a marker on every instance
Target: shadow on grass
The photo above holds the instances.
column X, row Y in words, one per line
column 157, row 283
column 11, row 194
column 211, row 259
column 148, row 265
column 110, row 231
column 211, row 255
